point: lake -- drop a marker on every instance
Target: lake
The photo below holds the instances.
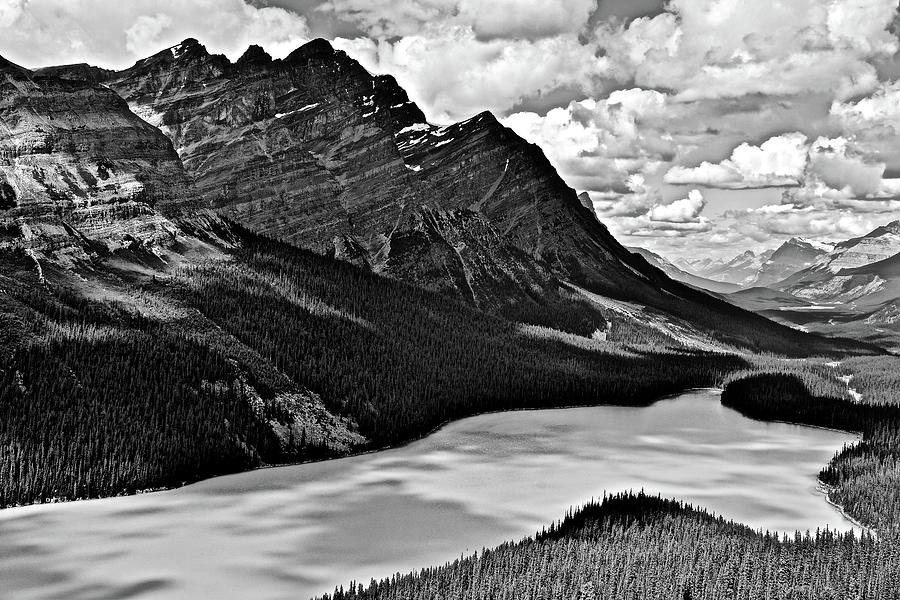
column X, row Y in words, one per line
column 293, row 532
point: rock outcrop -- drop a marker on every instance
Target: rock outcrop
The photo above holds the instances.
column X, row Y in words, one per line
column 79, row 172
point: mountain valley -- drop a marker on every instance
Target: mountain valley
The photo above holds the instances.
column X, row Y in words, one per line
column 210, row 266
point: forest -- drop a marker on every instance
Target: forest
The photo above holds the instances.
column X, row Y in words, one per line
column 103, row 396
column 631, row 546
column 100, row 397
column 401, row 360
column 634, row 546
column 863, row 478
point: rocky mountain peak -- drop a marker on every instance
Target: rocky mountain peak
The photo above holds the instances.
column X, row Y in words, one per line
column 187, row 48
column 893, row 227
column 254, row 55
column 76, row 72
column 585, row 200
column 314, row 49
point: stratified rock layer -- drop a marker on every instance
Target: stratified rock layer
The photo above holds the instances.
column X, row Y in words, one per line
column 79, row 169
column 315, row 151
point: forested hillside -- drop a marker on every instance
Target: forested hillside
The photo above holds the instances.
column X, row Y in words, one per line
column 864, row 478
column 401, row 360
column 271, row 354
column 635, row 546
column 629, row 547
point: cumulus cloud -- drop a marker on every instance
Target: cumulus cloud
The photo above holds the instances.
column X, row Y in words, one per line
column 686, row 210
column 699, row 94
column 40, row 32
column 725, row 48
column 11, row 11
column 598, row 145
column 509, row 19
column 779, row 161
column 453, row 74
column 833, row 163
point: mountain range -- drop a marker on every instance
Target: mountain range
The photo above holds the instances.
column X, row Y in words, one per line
column 314, row 151
column 849, row 288
column 749, row 269
column 852, row 290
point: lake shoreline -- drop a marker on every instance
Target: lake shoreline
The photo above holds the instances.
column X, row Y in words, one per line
column 365, row 452
column 476, row 483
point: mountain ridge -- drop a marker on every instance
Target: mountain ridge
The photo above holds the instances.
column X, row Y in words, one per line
column 373, row 167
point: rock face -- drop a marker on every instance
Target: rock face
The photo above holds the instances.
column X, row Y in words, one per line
column 842, row 274
column 853, row 290
column 315, row 151
column 741, row 270
column 79, row 170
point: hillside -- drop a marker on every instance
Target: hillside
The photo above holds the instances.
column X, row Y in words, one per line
column 639, row 546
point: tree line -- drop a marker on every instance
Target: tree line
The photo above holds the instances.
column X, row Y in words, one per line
column 863, row 478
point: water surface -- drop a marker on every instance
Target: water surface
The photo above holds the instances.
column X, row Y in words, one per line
column 293, row 532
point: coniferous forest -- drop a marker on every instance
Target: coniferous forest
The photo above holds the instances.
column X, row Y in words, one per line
column 636, row 546
column 99, row 398
column 632, row 546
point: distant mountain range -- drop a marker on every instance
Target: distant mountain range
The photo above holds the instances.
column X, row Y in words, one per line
column 749, row 269
column 849, row 288
column 669, row 268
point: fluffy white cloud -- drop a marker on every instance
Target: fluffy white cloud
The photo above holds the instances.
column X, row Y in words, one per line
column 598, row 145
column 730, row 48
column 114, row 34
column 699, row 95
column 531, row 19
column 10, row 11
column 453, row 74
column 146, row 31
column 834, row 163
column 779, row 161
column 686, row 210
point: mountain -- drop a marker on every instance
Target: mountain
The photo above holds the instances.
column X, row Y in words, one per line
column 315, row 151
column 751, row 270
column 742, row 270
column 698, row 265
column 792, row 256
column 678, row 274
column 851, row 290
column 841, row 275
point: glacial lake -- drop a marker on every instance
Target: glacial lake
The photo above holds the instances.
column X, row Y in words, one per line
column 294, row 532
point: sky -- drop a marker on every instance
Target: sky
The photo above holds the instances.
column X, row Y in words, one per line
column 698, row 127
